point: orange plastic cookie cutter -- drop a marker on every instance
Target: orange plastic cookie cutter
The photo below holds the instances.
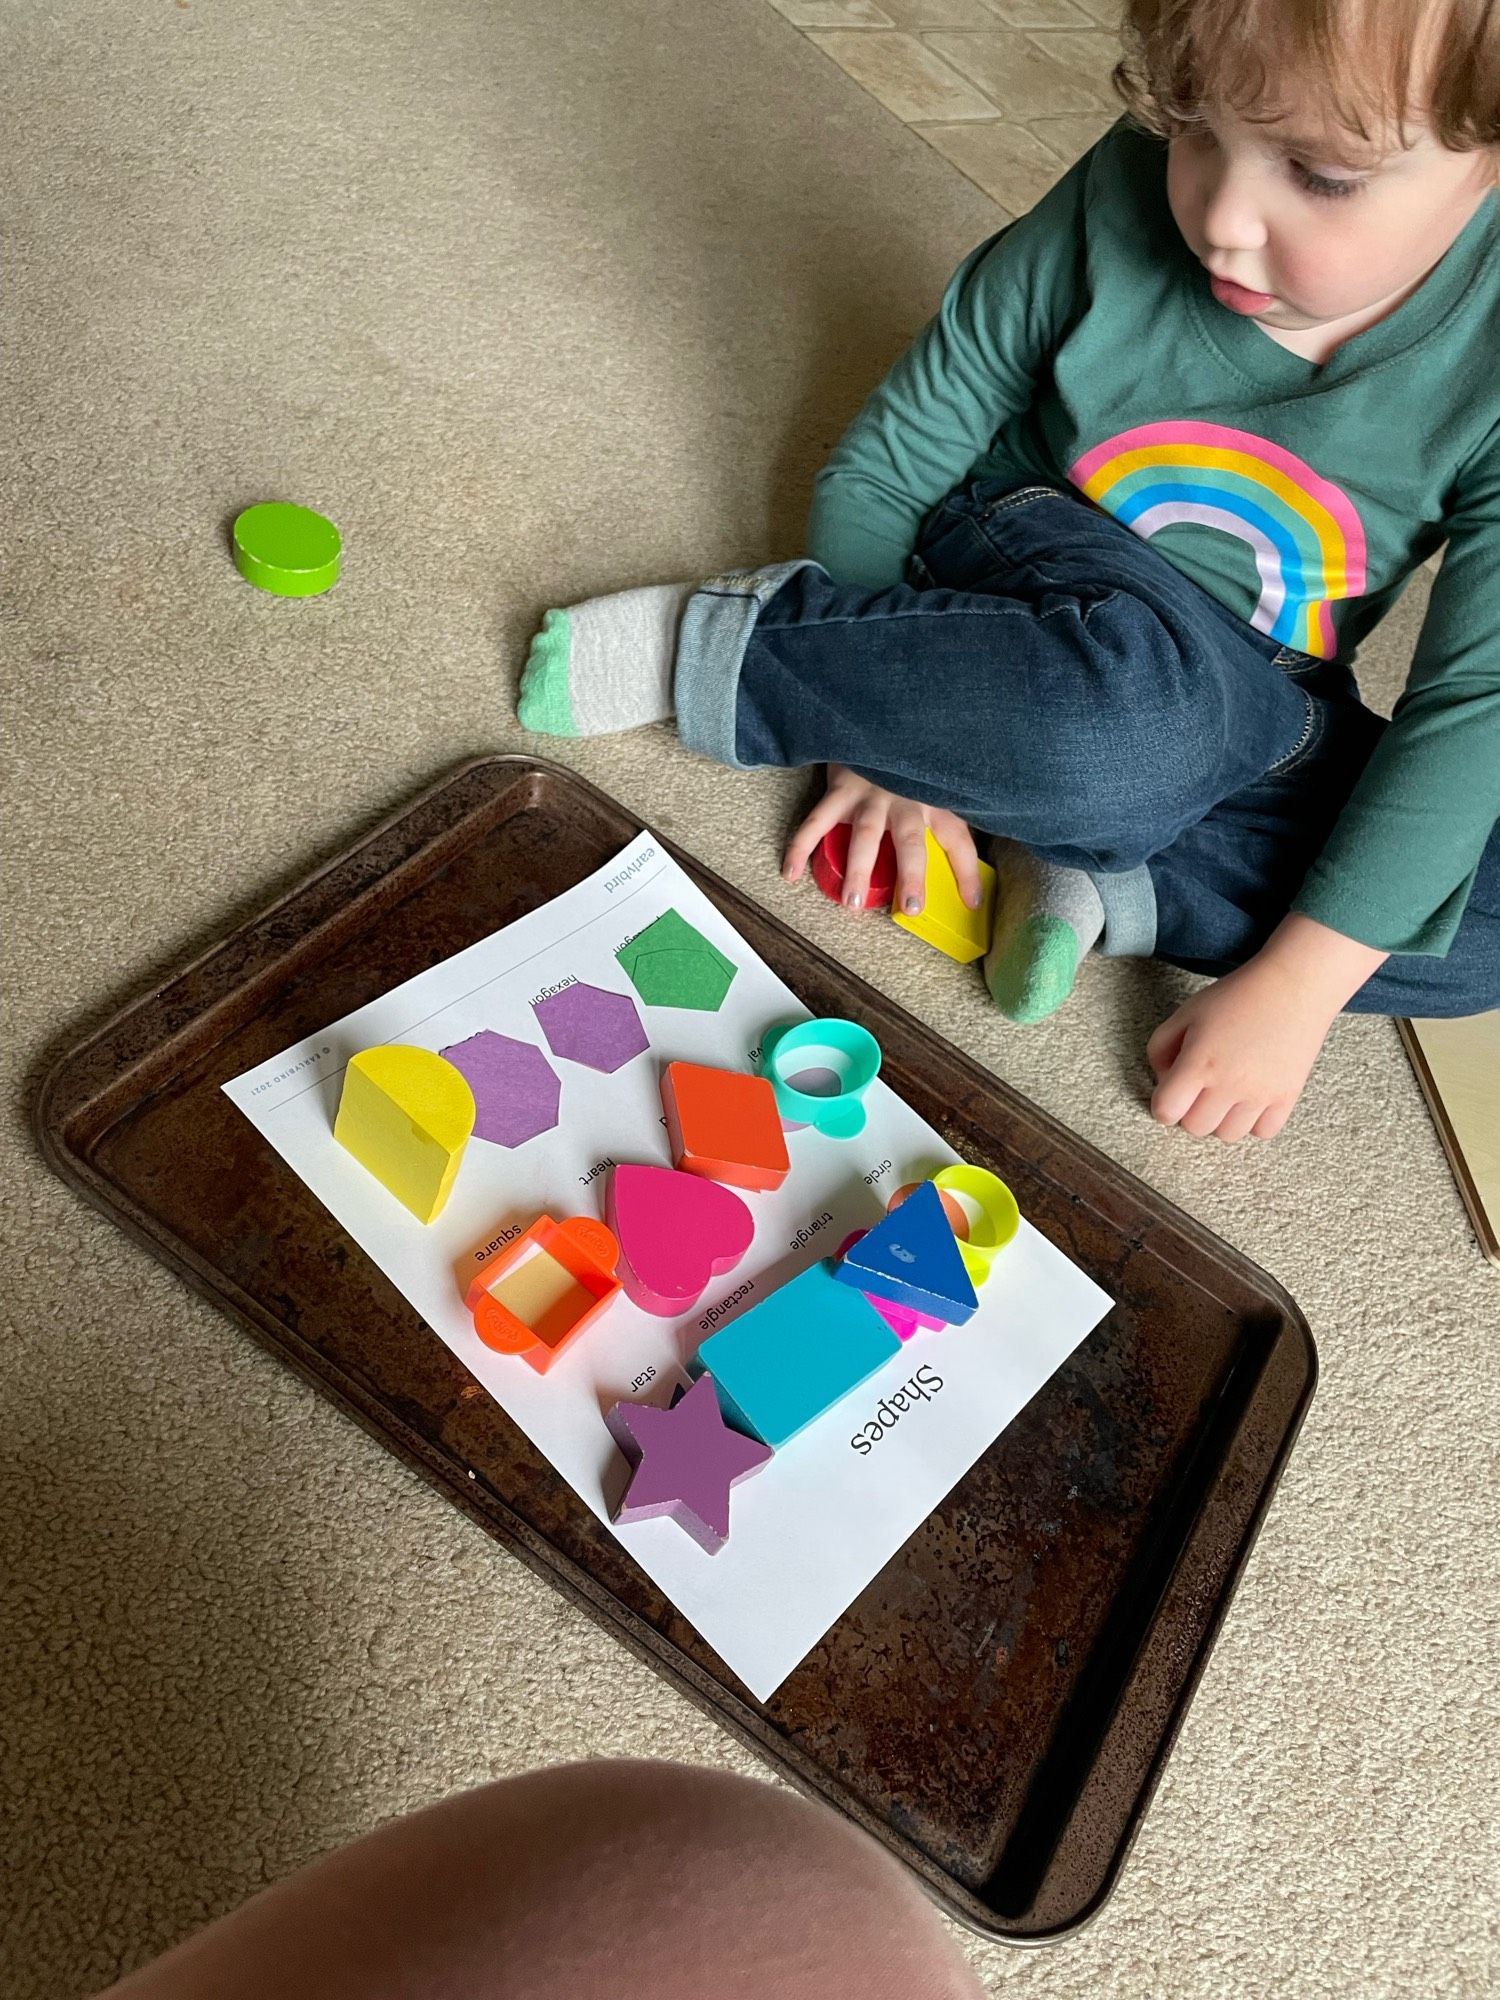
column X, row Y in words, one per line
column 538, row 1293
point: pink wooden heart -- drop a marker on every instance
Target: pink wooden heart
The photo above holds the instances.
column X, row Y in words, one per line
column 676, row 1232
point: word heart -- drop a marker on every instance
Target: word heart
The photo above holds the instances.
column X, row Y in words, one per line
column 677, row 1232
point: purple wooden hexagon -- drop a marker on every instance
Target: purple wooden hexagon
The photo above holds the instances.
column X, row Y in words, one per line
column 588, row 1025
column 516, row 1090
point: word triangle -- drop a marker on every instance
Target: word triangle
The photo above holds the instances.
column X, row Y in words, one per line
column 912, row 1257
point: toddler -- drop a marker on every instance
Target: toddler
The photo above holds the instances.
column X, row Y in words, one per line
column 1088, row 570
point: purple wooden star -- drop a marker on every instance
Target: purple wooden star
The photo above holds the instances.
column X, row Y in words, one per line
column 685, row 1459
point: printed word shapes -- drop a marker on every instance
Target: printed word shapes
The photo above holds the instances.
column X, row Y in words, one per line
column 724, row 1125
column 912, row 1258
column 945, row 919
column 539, row 1292
column 830, row 862
column 672, row 965
column 676, row 1232
column 685, row 1461
column 406, row 1116
column 999, row 1215
column 850, row 1052
column 794, row 1355
column 586, row 1024
column 515, row 1088
column 901, row 1321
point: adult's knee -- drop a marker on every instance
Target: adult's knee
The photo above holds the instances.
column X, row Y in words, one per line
column 578, row 1882
column 703, row 1882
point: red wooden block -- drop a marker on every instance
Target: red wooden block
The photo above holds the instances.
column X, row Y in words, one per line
column 830, row 859
column 724, row 1125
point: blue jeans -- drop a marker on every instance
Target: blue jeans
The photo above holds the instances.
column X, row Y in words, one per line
column 1048, row 676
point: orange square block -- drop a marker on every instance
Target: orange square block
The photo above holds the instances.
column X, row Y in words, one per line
column 724, row 1125
column 538, row 1293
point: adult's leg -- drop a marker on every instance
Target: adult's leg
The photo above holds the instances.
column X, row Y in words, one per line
column 584, row 1883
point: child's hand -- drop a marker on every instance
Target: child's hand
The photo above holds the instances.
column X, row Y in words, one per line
column 1232, row 1060
column 872, row 813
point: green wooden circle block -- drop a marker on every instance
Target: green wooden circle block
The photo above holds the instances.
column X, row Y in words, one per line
column 290, row 551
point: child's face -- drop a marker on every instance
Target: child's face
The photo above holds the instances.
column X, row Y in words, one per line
column 1302, row 226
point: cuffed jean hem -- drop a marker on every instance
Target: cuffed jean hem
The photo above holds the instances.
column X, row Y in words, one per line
column 711, row 640
column 1129, row 899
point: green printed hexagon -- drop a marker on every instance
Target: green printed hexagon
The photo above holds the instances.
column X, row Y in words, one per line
column 672, row 965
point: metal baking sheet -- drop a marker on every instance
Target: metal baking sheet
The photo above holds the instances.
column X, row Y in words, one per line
column 998, row 1704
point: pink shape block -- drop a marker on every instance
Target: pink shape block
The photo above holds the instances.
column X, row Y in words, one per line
column 903, row 1321
column 676, row 1232
column 516, row 1090
column 587, row 1024
column 685, row 1461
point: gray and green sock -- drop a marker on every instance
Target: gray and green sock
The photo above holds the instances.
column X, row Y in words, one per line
column 1047, row 919
column 605, row 664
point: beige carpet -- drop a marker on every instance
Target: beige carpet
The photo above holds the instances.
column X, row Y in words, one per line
column 539, row 298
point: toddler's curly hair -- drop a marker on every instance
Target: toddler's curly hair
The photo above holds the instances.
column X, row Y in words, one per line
column 1378, row 62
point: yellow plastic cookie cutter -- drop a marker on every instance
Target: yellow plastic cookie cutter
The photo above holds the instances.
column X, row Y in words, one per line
column 999, row 1216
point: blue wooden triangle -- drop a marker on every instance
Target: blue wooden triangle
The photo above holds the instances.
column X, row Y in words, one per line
column 912, row 1257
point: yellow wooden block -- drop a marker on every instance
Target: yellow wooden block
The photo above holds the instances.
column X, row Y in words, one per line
column 406, row 1115
column 945, row 920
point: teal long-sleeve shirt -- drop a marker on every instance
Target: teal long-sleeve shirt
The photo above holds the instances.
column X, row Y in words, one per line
column 1081, row 343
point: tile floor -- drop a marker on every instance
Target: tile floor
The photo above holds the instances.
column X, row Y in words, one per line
column 1011, row 91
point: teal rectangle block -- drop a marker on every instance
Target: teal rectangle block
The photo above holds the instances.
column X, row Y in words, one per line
column 794, row 1355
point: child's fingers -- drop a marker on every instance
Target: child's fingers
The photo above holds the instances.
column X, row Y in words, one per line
column 1207, row 1113
column 864, row 845
column 909, row 838
column 1237, row 1123
column 1169, row 1106
column 1177, row 1091
column 957, row 842
column 1271, row 1121
column 1163, row 1047
column 826, row 813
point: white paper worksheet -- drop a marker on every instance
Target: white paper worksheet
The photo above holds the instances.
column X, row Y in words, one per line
column 809, row 1530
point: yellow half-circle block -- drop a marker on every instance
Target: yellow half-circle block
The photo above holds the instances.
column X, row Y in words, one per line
column 406, row 1115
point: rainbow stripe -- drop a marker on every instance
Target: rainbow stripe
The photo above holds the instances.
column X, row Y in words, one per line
column 1307, row 539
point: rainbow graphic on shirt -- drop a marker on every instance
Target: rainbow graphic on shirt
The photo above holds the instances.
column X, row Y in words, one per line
column 1306, row 537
